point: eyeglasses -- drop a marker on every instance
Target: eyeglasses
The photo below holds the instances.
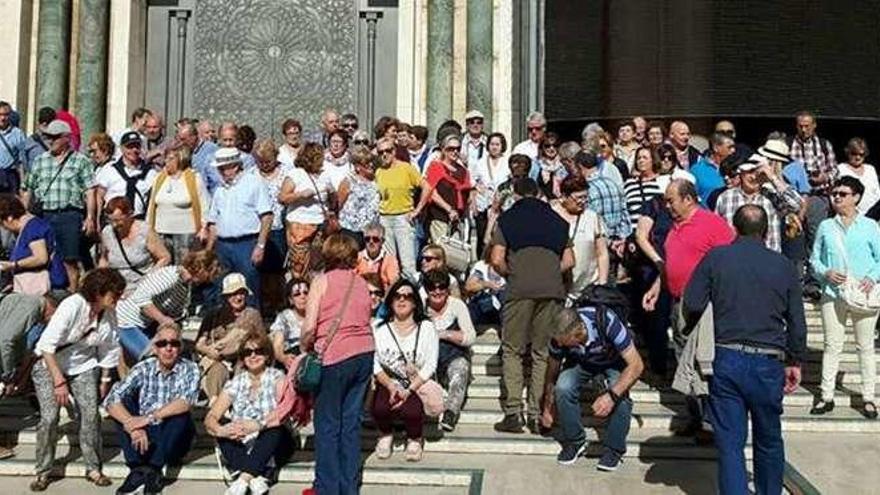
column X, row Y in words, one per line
column 841, row 194
column 385, row 151
column 547, row 146
column 474, row 121
column 161, row 344
column 373, row 238
column 580, row 198
column 248, row 352
column 404, row 296
column 377, row 293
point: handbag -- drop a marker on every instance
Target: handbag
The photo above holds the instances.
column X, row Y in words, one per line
column 430, row 392
column 856, row 299
column 331, row 221
column 308, row 375
column 36, row 207
column 458, row 249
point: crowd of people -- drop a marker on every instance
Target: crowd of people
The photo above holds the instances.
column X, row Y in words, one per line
column 378, row 260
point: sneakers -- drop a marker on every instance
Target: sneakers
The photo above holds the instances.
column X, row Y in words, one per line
column 259, row 485
column 512, row 423
column 822, row 407
column 383, row 446
column 609, row 461
column 133, row 482
column 448, row 421
column 238, row 487
column 413, row 450
column 570, row 452
column 153, row 481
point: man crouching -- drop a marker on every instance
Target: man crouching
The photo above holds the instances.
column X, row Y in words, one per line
column 591, row 343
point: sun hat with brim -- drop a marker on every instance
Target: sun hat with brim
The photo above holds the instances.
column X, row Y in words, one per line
column 754, row 162
column 226, row 156
column 233, row 283
column 57, row 128
column 474, row 114
column 775, row 149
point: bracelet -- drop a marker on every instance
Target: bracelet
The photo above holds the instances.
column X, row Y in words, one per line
column 61, row 384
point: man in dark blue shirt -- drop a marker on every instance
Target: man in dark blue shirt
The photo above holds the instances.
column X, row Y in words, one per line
column 760, row 341
column 591, row 344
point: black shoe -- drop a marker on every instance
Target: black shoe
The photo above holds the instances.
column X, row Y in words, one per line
column 869, row 410
column 570, row 453
column 609, row 461
column 813, row 293
column 822, row 407
column 153, row 484
column 133, row 482
column 448, row 421
column 535, row 428
column 512, row 423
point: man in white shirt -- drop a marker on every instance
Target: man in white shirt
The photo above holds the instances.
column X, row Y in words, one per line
column 138, row 123
column 474, row 140
column 536, row 125
column 129, row 176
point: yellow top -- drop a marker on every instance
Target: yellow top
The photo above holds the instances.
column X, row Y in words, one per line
column 396, row 184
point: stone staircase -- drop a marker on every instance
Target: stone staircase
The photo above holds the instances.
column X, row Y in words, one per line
column 443, row 469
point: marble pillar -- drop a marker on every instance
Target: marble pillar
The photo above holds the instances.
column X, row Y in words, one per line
column 91, row 65
column 480, row 58
column 439, row 69
column 53, row 53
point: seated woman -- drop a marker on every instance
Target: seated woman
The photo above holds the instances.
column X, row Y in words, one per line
column 130, row 245
column 378, row 310
column 243, row 418
column 405, row 358
column 456, row 332
column 434, row 258
column 34, row 262
column 222, row 333
column 151, row 408
column 77, row 347
column 486, row 289
column 285, row 330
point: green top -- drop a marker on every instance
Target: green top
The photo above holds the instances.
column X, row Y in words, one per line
column 67, row 190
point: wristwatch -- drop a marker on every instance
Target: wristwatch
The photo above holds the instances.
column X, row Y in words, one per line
column 261, row 246
column 614, row 397
column 153, row 419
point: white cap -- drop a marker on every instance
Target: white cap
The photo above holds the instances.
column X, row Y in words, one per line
column 234, row 282
column 226, row 156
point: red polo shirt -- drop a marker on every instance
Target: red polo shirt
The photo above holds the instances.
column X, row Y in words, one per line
column 688, row 242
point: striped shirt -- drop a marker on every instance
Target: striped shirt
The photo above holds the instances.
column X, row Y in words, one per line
column 162, row 287
column 639, row 193
column 154, row 388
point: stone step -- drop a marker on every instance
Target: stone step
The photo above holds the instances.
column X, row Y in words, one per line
column 201, row 465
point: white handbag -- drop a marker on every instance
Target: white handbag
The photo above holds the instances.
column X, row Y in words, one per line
column 859, row 301
column 457, row 246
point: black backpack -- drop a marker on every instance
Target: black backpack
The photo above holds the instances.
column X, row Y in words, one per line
column 605, row 297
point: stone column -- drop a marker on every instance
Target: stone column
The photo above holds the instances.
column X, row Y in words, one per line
column 53, row 53
column 479, row 58
column 91, row 66
column 439, row 70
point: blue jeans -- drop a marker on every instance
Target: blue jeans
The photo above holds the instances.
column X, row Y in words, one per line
column 568, row 408
column 235, row 255
column 338, row 407
column 746, row 385
column 170, row 440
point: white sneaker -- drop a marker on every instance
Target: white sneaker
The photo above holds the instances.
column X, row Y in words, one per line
column 383, row 446
column 413, row 450
column 238, row 487
column 259, row 485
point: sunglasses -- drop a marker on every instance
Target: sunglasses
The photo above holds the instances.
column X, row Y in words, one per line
column 549, row 145
column 841, row 194
column 247, row 352
column 300, row 292
column 430, row 258
column 350, row 125
column 377, row 293
column 436, row 288
column 373, row 238
column 385, row 151
column 161, row 344
column 404, row 296
column 452, row 148
column 361, row 141
column 474, row 121
column 666, row 158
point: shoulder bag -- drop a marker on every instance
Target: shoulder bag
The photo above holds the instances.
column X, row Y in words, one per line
column 308, row 374
column 331, row 221
column 430, row 392
column 855, row 298
column 37, row 208
column 124, row 255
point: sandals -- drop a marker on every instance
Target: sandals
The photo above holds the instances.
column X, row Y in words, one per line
column 869, row 410
column 98, row 478
column 40, row 483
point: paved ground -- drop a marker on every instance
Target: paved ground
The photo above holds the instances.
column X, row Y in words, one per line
column 837, row 464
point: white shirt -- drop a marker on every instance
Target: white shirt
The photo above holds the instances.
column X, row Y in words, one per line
column 108, row 178
column 309, row 210
column 174, row 206
column 868, row 179
column 68, row 325
column 487, row 181
column 387, row 356
column 528, row 148
column 678, row 173
column 286, row 155
column 583, row 232
column 336, row 173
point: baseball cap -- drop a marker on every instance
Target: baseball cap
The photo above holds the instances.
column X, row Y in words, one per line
column 130, row 137
column 57, row 128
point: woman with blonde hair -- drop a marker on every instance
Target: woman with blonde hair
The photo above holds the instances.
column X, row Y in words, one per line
column 177, row 206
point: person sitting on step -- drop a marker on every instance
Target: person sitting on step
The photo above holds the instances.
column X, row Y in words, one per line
column 286, row 330
column 151, row 408
column 243, row 418
column 591, row 341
